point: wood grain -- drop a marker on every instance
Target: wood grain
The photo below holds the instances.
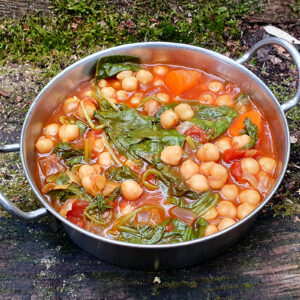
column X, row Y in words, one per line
column 38, row 260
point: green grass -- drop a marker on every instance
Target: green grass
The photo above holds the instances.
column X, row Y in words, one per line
column 76, row 28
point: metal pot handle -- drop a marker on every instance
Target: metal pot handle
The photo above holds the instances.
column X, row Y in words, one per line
column 291, row 49
column 11, row 208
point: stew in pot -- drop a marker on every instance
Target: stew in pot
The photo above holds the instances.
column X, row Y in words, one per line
column 155, row 154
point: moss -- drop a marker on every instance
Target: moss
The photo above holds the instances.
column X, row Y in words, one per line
column 13, row 183
column 76, row 28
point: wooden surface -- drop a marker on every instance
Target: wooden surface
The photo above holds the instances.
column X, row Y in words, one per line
column 38, row 260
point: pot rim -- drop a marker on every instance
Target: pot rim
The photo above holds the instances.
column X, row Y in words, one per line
column 153, row 45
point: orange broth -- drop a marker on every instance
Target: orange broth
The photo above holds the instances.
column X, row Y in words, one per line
column 46, row 163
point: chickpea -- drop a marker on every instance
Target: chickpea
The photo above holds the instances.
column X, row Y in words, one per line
column 244, row 210
column 169, row 119
column 70, row 105
column 211, row 214
column 124, row 74
column 206, row 167
column 198, row 183
column 108, row 91
column 224, row 100
column 158, row 82
column 229, row 192
column 188, row 169
column 121, row 95
column 163, row 97
column 268, row 164
column 89, row 107
column 215, row 86
column 85, row 171
column 226, row 209
column 184, row 111
column 44, row 145
column 104, row 159
column 206, row 99
column 135, row 100
column 208, row 152
column 102, row 83
column 151, row 107
column 241, row 108
column 225, row 223
column 88, row 93
column 240, row 141
column 250, row 165
column 217, row 176
column 210, row 229
column 171, row 155
column 97, row 168
column 68, row 132
column 249, row 196
column 129, row 84
column 131, row 190
column 51, row 129
column 224, row 144
column 100, row 182
column 160, row 70
column 98, row 145
column 88, row 184
column 144, row 77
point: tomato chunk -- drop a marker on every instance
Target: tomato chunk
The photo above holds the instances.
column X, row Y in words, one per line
column 75, row 215
column 233, row 153
column 236, row 170
column 198, row 134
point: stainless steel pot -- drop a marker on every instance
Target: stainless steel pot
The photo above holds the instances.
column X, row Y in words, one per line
column 156, row 256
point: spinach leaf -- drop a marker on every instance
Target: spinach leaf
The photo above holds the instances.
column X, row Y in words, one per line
column 252, row 131
column 213, row 119
column 204, row 203
column 200, row 206
column 147, row 150
column 212, row 112
column 98, row 212
column 125, row 119
column 82, row 126
column 132, row 134
column 143, row 234
column 72, row 156
column 176, row 184
column 172, row 137
column 120, row 174
column 100, row 203
column 62, row 179
column 183, row 233
column 72, row 191
column 65, row 150
column 76, row 160
column 109, row 66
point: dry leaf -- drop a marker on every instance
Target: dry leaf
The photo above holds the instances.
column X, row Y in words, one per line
column 281, row 34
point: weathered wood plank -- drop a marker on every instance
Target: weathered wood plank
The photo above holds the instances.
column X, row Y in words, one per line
column 38, row 260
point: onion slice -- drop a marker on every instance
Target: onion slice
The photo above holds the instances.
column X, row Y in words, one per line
column 184, row 126
column 184, row 215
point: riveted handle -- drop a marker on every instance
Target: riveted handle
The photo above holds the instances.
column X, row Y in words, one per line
column 294, row 53
column 10, row 207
